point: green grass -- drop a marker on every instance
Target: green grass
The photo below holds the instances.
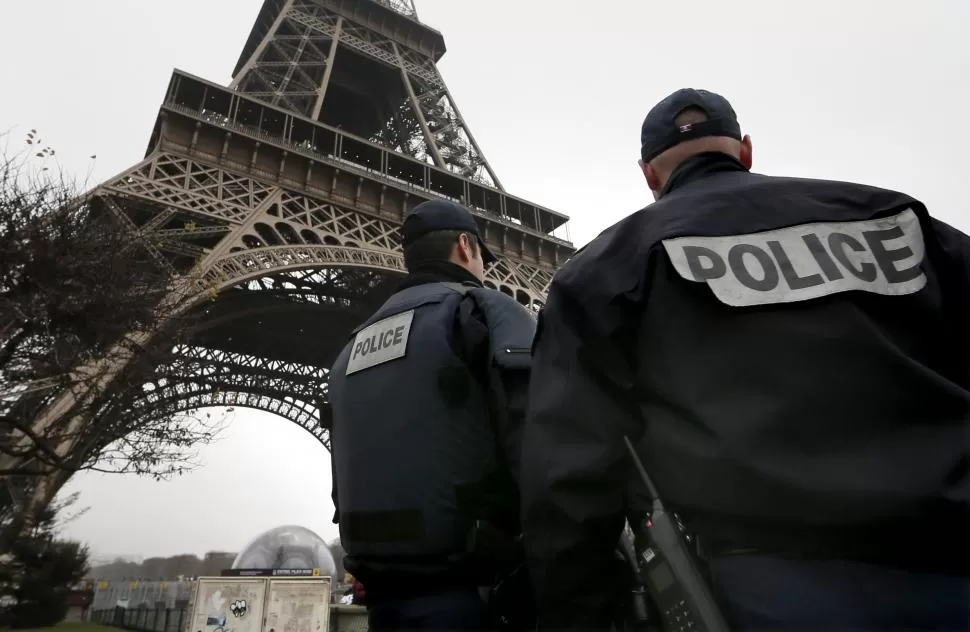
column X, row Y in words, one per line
column 75, row 627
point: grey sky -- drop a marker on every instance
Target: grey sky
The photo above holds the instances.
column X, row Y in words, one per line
column 554, row 91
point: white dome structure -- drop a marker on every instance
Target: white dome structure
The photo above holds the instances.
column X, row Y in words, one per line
column 289, row 547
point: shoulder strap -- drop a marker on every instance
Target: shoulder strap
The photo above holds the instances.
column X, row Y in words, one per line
column 510, row 330
column 412, row 297
column 511, row 326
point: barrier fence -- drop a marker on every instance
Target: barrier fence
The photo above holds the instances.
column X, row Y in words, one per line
column 141, row 619
column 342, row 619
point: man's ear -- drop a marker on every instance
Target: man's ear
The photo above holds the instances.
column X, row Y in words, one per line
column 466, row 249
column 747, row 152
column 653, row 180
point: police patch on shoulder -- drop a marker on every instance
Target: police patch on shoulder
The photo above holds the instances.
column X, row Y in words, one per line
column 798, row 263
column 385, row 340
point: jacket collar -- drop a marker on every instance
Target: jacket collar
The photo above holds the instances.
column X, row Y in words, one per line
column 438, row 272
column 699, row 167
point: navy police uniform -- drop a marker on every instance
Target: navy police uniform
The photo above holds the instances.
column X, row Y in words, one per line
column 790, row 358
column 428, row 398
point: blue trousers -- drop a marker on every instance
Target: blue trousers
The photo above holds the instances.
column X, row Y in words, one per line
column 763, row 593
column 456, row 609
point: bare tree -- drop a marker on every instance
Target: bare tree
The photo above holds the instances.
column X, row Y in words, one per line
column 82, row 293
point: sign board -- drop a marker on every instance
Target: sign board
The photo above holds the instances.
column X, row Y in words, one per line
column 261, row 604
column 298, row 605
column 271, row 572
column 228, row 604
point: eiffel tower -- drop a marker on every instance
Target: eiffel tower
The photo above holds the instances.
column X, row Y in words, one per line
column 278, row 199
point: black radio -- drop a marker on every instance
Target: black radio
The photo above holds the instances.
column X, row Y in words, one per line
column 669, row 568
column 637, row 613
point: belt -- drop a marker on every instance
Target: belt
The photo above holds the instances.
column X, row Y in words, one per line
column 916, row 552
column 415, row 588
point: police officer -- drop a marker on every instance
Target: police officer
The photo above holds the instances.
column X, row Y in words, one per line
column 428, row 399
column 790, row 358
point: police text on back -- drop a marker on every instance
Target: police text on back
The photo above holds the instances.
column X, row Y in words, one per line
column 798, row 263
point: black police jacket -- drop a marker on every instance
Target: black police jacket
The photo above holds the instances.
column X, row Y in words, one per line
column 789, row 355
column 427, row 401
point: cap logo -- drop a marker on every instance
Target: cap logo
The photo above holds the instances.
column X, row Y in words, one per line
column 683, row 129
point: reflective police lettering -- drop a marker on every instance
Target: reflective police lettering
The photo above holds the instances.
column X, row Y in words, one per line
column 882, row 256
column 381, row 342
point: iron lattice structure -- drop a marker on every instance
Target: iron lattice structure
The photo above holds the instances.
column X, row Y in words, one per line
column 278, row 200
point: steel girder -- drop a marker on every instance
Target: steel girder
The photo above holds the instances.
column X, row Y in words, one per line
column 199, row 377
column 401, row 6
column 268, row 228
column 259, row 237
column 292, row 67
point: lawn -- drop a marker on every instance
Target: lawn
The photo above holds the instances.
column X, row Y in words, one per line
column 74, row 627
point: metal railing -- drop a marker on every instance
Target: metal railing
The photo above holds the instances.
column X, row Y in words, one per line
column 401, row 6
column 141, row 619
column 342, row 619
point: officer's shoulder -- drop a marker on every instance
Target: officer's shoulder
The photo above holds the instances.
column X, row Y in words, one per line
column 612, row 259
column 846, row 191
column 744, row 202
column 838, row 193
column 495, row 298
column 511, row 324
column 955, row 243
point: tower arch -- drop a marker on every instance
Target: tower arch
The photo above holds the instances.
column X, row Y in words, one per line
column 336, row 124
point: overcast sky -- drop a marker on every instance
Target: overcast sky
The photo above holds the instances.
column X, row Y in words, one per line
column 554, row 90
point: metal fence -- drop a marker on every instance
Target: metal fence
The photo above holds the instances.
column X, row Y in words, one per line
column 141, row 594
column 141, row 619
column 342, row 618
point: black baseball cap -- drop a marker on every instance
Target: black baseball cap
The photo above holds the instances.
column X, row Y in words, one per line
column 435, row 215
column 659, row 132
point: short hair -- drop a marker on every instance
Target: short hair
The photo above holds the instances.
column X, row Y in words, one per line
column 434, row 246
column 690, row 116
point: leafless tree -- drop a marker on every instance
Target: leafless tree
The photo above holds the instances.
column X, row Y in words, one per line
column 81, row 294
